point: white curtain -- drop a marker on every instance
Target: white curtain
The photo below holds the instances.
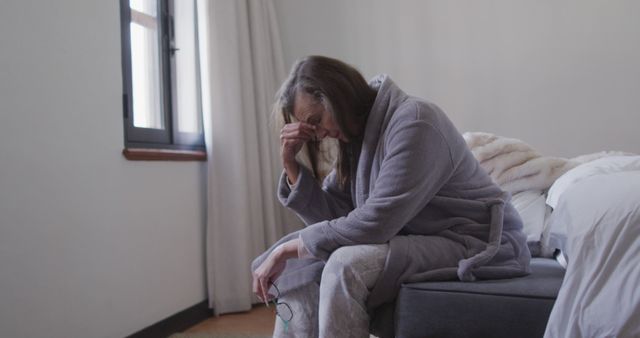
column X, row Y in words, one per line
column 242, row 68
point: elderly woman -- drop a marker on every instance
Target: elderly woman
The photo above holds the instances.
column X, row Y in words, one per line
column 406, row 201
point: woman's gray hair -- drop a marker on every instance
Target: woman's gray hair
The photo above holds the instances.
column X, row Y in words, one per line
column 342, row 90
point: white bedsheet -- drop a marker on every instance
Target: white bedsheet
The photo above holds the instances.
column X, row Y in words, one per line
column 600, row 295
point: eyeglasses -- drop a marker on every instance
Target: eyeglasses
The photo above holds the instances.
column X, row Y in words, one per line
column 283, row 310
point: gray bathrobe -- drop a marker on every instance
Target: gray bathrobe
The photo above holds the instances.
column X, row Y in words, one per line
column 415, row 177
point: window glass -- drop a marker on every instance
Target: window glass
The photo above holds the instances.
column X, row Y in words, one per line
column 145, row 65
column 145, row 6
column 187, row 98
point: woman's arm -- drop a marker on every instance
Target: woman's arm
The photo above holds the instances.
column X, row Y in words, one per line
column 298, row 190
column 272, row 267
column 417, row 164
column 311, row 202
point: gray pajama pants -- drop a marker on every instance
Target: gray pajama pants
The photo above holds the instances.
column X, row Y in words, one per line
column 336, row 307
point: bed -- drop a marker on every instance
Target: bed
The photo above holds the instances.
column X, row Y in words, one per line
column 585, row 212
column 582, row 220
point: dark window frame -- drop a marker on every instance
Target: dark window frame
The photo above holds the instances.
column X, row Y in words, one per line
column 170, row 137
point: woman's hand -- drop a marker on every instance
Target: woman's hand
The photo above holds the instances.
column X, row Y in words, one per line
column 272, row 267
column 292, row 137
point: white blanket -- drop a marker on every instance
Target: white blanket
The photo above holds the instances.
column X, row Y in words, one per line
column 600, row 293
column 520, row 170
column 514, row 165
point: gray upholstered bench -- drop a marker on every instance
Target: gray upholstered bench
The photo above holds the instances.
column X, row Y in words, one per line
column 517, row 307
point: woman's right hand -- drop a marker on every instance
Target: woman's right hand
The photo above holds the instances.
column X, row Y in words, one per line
column 292, row 137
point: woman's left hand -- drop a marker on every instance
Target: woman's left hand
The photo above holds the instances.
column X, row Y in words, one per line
column 272, row 267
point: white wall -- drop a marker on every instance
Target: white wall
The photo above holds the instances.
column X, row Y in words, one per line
column 562, row 75
column 91, row 245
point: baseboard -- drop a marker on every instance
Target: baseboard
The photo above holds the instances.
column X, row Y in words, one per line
column 176, row 323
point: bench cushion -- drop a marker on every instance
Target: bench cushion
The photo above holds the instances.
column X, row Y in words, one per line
column 517, row 307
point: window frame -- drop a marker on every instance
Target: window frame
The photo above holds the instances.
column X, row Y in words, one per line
column 169, row 138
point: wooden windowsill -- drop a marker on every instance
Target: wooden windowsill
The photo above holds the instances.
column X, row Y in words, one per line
column 141, row 154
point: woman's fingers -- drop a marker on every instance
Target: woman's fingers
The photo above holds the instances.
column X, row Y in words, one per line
column 262, row 279
column 298, row 130
column 259, row 288
column 263, row 276
column 296, row 136
column 255, row 288
column 292, row 137
column 265, row 286
column 299, row 125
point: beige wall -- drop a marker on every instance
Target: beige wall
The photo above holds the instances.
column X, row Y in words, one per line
column 91, row 245
column 561, row 75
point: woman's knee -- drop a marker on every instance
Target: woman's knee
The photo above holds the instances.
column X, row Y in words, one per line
column 356, row 259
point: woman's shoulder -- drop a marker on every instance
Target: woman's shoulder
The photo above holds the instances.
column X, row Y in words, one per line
column 426, row 118
column 419, row 110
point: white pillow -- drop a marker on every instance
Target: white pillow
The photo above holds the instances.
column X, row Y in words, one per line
column 601, row 166
column 531, row 207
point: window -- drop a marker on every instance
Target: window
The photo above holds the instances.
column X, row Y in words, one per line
column 161, row 75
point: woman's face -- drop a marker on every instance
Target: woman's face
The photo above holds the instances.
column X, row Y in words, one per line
column 307, row 109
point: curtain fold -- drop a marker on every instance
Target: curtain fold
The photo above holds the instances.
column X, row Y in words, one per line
column 242, row 68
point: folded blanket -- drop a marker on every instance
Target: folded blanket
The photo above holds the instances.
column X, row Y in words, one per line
column 514, row 165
